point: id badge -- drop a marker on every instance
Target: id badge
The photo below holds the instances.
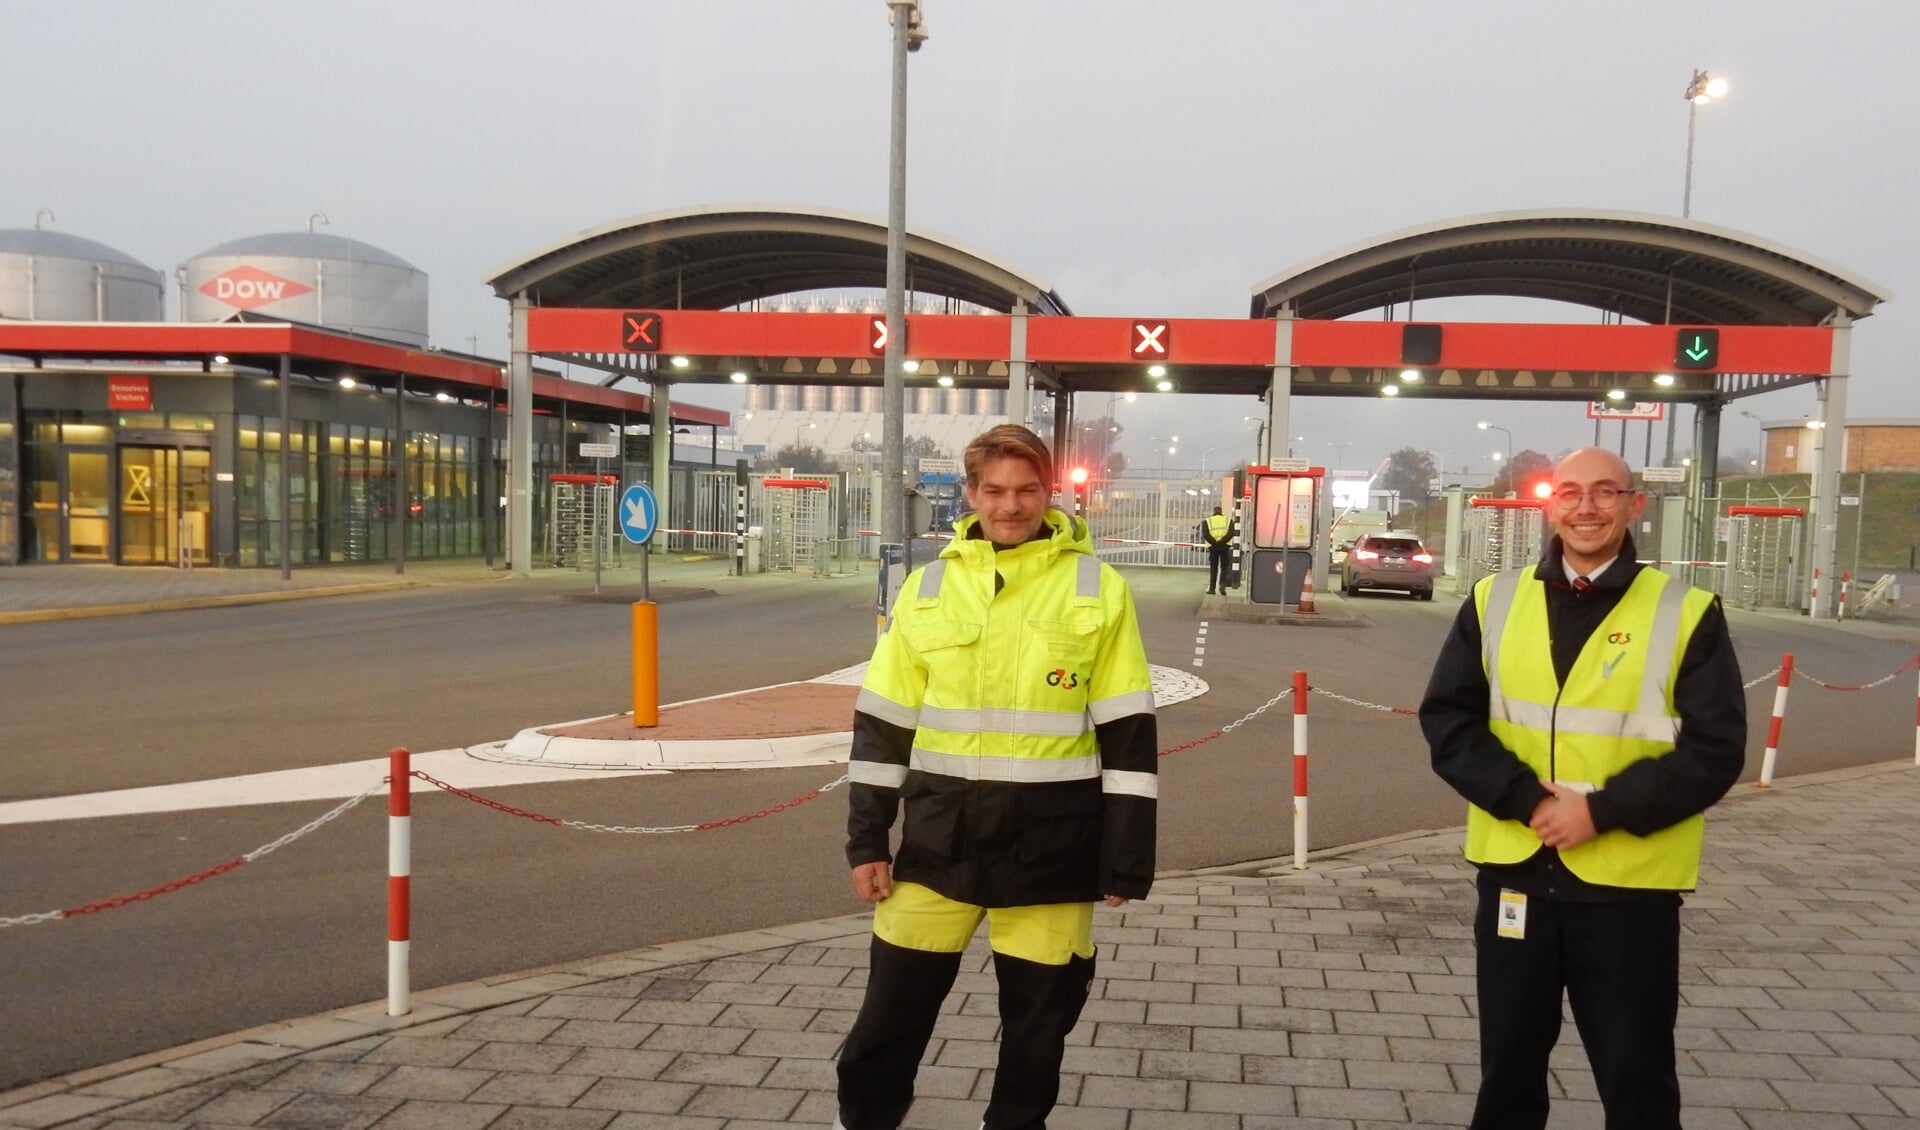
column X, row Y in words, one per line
column 1512, row 920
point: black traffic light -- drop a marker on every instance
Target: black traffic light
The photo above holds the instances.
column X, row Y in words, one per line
column 1696, row 349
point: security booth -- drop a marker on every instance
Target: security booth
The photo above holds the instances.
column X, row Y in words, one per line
column 1286, row 528
column 1502, row 534
column 1763, row 545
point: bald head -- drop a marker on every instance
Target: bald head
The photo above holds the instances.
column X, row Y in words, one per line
column 1591, row 464
column 1593, row 507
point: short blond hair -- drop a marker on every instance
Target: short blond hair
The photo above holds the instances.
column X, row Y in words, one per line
column 1008, row 441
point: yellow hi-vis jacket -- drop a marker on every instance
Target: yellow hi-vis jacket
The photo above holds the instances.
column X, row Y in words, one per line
column 1008, row 705
column 1218, row 526
column 1616, row 708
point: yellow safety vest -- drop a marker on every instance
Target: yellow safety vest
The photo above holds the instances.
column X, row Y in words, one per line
column 1615, row 709
column 1218, row 525
column 1008, row 686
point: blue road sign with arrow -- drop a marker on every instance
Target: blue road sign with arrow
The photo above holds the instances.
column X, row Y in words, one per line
column 639, row 513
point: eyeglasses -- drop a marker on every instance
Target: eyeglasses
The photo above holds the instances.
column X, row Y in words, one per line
column 1605, row 496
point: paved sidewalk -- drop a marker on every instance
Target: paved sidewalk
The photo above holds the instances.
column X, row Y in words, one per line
column 1341, row 996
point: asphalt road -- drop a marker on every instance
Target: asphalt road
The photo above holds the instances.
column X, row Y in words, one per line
column 170, row 697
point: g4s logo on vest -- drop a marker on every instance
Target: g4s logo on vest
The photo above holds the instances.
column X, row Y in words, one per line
column 1063, row 678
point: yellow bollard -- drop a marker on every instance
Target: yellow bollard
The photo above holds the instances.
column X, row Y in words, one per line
column 646, row 663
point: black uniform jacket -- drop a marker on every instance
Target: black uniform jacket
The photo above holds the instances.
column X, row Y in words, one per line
column 1647, row 796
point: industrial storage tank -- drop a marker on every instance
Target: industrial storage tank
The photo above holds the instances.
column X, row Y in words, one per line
column 51, row 276
column 311, row 277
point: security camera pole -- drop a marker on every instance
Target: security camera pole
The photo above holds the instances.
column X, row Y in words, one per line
column 907, row 34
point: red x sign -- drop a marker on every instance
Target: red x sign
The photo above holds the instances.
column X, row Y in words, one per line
column 1151, row 340
column 640, row 331
column 877, row 335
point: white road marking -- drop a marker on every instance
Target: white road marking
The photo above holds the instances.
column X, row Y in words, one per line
column 455, row 766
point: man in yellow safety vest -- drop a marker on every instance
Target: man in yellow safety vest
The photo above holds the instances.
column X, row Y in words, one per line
column 1589, row 710
column 1008, row 709
column 1219, row 533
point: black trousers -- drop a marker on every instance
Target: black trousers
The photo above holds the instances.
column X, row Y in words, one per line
column 1039, row 1005
column 1619, row 965
column 1219, row 567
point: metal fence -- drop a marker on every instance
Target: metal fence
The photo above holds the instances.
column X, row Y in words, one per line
column 1151, row 522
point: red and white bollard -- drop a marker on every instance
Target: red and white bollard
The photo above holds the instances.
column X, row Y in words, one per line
column 1846, row 582
column 1813, row 595
column 1916, row 717
column 399, row 876
column 1300, row 770
column 1773, row 727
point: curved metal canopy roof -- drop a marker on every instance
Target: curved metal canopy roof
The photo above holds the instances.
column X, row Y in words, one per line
column 712, row 258
column 1655, row 269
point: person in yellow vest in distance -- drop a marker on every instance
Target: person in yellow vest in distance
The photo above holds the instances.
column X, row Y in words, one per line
column 1589, row 710
column 1219, row 534
column 1009, row 710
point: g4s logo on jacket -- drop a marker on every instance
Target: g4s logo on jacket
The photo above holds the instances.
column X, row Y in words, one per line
column 1620, row 637
column 1062, row 678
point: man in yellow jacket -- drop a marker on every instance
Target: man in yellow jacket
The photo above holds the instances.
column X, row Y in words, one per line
column 1589, row 710
column 1008, row 709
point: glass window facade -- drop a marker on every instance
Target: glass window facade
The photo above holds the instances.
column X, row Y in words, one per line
column 198, row 477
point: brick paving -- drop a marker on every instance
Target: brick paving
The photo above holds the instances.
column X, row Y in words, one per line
column 1341, row 996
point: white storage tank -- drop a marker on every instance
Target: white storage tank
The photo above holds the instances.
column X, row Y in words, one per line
column 51, row 276
column 311, row 277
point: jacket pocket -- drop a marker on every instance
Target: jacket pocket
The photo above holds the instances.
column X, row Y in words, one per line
column 1059, row 840
column 935, row 823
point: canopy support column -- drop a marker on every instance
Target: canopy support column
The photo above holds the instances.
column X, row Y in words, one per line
column 1829, row 459
column 1019, row 382
column 519, row 443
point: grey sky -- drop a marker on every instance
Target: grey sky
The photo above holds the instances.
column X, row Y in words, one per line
column 1145, row 158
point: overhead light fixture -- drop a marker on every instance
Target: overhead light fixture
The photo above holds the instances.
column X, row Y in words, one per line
column 1156, row 370
column 1389, row 390
column 1664, row 380
column 219, row 358
column 1164, row 386
column 737, row 377
column 348, row 382
column 443, row 397
column 681, row 362
column 910, row 365
column 1410, row 376
column 1616, row 394
column 944, row 381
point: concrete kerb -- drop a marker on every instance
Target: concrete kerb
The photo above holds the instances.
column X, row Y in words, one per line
column 225, row 600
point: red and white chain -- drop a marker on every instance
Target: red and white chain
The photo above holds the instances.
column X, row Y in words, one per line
column 630, row 830
column 1758, row 679
column 1229, row 727
column 199, row 876
column 1880, row 682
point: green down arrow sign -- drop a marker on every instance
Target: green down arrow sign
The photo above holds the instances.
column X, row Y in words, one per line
column 1697, row 349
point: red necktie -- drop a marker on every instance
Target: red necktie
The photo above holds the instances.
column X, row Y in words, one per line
column 1581, row 584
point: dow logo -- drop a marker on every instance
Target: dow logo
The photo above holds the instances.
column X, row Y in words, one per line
column 249, row 287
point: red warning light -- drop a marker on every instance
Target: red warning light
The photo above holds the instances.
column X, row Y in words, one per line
column 1078, row 475
column 1543, row 490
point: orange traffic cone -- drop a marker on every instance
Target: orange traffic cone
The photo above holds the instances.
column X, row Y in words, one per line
column 1306, row 594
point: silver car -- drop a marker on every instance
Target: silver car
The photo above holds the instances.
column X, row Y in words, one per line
column 1393, row 560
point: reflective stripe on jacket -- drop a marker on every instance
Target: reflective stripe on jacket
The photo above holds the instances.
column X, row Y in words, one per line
column 1615, row 709
column 1011, row 670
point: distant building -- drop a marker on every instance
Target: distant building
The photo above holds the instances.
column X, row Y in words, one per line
column 1868, row 445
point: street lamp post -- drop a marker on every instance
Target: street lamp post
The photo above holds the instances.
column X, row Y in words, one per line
column 908, row 35
column 1702, row 89
column 1488, row 425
